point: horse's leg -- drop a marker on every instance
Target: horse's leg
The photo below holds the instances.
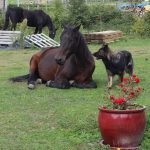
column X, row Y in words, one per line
column 60, row 81
column 14, row 22
column 90, row 84
column 36, row 30
column 84, row 80
column 13, row 26
column 40, row 29
column 34, row 75
column 63, row 75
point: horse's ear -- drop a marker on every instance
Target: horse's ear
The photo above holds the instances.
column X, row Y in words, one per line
column 77, row 28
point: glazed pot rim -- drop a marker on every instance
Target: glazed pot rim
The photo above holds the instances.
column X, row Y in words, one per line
column 142, row 108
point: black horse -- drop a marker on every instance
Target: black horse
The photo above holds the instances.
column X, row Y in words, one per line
column 72, row 61
column 35, row 18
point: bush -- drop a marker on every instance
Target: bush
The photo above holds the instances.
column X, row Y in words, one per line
column 1, row 19
column 138, row 26
column 59, row 13
column 142, row 25
column 105, row 17
column 147, row 24
column 77, row 12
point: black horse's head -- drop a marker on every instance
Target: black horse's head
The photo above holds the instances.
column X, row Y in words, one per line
column 103, row 52
column 52, row 33
column 69, row 43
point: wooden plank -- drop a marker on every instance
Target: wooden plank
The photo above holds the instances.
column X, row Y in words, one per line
column 6, row 40
column 103, row 36
column 9, row 32
column 41, row 40
column 8, row 37
column 6, row 43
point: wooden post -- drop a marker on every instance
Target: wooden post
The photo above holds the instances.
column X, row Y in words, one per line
column 5, row 5
column 18, row 3
column 38, row 3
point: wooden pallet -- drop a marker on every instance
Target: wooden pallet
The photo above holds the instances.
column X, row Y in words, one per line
column 8, row 38
column 41, row 41
column 104, row 36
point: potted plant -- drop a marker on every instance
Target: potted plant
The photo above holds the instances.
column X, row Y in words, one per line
column 121, row 121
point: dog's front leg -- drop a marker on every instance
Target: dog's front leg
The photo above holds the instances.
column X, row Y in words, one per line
column 110, row 78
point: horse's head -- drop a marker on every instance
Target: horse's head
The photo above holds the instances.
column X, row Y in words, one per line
column 52, row 33
column 69, row 42
column 102, row 53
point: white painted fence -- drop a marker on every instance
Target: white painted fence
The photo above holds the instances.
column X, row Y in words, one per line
column 9, row 37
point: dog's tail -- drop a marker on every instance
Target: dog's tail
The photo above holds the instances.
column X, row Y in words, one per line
column 20, row 78
column 6, row 20
column 130, row 65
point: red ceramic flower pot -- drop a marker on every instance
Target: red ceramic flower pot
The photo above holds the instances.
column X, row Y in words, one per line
column 122, row 128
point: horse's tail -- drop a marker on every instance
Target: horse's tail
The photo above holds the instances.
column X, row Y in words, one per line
column 7, row 15
column 20, row 78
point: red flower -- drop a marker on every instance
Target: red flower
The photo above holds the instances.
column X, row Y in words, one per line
column 132, row 93
column 137, row 80
column 130, row 96
column 112, row 97
column 120, row 85
column 119, row 100
column 134, row 75
column 124, row 90
column 125, row 80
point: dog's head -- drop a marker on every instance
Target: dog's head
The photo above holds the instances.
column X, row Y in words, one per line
column 102, row 53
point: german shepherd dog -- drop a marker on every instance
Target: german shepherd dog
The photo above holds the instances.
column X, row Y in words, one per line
column 115, row 63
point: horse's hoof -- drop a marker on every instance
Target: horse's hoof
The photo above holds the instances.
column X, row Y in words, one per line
column 39, row 81
column 48, row 83
column 31, row 86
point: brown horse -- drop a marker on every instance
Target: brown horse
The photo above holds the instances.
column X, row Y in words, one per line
column 71, row 64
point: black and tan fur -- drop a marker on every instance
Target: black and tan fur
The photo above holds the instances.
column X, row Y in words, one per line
column 115, row 63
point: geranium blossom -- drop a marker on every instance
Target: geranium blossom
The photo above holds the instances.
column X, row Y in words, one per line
column 137, row 80
column 119, row 100
column 128, row 91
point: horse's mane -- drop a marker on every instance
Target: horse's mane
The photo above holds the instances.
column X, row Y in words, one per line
column 83, row 50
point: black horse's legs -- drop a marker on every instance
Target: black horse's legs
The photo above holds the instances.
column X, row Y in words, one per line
column 61, row 78
column 13, row 27
column 32, row 79
column 59, row 84
column 91, row 84
column 14, row 23
column 36, row 30
column 34, row 74
column 40, row 29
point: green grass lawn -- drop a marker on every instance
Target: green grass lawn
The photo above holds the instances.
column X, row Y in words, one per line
column 54, row 119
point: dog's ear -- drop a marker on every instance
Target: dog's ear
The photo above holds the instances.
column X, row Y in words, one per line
column 105, row 46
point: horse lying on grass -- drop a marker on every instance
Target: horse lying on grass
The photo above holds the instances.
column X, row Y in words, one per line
column 115, row 63
column 72, row 61
column 35, row 18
